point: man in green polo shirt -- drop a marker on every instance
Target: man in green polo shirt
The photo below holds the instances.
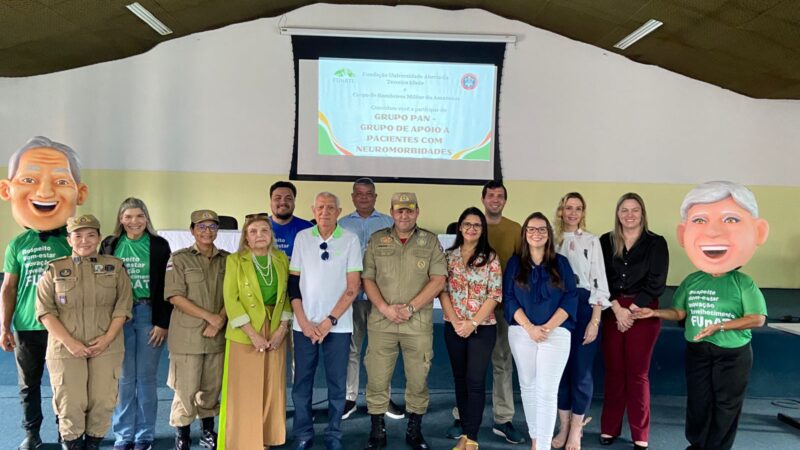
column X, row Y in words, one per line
column 44, row 187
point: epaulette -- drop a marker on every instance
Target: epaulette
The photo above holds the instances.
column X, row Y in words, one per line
column 183, row 250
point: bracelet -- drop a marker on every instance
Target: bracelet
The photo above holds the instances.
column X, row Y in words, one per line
column 474, row 324
column 722, row 327
column 596, row 322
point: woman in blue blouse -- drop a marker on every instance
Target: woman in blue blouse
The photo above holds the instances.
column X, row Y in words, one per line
column 540, row 301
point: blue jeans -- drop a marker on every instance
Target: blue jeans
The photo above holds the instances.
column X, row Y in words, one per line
column 336, row 352
column 134, row 417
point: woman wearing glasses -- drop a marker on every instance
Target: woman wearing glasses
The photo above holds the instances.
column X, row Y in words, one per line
column 540, row 302
column 473, row 289
column 253, row 406
column 636, row 263
column 145, row 255
column 585, row 256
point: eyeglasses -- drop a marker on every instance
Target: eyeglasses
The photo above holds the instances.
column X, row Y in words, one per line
column 471, row 226
column 325, row 255
column 264, row 216
column 210, row 227
column 536, row 230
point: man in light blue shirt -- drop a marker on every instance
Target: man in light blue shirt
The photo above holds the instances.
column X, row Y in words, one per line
column 364, row 221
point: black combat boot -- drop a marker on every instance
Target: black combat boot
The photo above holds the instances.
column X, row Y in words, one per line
column 75, row 444
column 92, row 443
column 32, row 440
column 182, row 439
column 209, row 438
column 414, row 433
column 377, row 436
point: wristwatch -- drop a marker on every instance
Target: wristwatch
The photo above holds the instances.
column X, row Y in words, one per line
column 474, row 324
column 410, row 308
column 333, row 320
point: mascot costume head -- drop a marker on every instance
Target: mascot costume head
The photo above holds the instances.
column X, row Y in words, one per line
column 44, row 184
column 720, row 228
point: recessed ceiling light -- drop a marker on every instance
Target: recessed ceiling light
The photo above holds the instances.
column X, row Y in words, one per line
column 148, row 18
column 640, row 32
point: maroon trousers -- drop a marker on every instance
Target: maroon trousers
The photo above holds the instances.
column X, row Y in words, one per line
column 627, row 379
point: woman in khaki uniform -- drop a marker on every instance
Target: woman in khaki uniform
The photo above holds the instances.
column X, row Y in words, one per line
column 83, row 301
column 253, row 409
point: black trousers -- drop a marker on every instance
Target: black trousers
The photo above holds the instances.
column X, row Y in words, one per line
column 30, row 353
column 716, row 380
column 469, row 359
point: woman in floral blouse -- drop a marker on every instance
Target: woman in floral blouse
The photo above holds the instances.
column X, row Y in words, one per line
column 473, row 289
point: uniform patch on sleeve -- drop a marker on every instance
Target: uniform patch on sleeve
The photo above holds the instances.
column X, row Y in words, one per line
column 62, row 298
column 169, row 264
column 65, row 272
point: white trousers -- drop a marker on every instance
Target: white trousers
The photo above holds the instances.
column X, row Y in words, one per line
column 539, row 367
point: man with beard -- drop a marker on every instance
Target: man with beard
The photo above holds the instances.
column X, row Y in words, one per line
column 285, row 225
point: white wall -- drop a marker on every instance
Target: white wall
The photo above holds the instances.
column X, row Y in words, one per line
column 223, row 101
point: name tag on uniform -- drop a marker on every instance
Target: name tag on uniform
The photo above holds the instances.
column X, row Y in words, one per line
column 109, row 268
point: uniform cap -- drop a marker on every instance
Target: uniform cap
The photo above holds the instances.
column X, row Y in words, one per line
column 204, row 214
column 84, row 221
column 401, row 200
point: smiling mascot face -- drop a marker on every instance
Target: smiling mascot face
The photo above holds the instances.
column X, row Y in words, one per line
column 721, row 235
column 42, row 191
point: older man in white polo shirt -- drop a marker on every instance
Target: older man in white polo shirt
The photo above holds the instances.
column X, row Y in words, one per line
column 324, row 279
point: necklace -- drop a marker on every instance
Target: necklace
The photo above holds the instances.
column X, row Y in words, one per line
column 264, row 271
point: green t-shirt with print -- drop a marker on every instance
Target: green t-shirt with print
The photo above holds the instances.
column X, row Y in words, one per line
column 27, row 257
column 135, row 254
column 710, row 300
column 268, row 282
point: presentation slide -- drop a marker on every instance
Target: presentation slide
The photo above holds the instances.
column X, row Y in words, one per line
column 392, row 119
column 406, row 109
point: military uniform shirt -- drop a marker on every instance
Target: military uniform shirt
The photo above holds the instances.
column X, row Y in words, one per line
column 194, row 276
column 85, row 294
column 401, row 271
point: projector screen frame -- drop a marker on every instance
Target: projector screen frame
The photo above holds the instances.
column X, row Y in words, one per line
column 315, row 47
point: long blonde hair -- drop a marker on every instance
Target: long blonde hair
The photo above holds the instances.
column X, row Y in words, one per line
column 559, row 221
column 617, row 238
column 132, row 203
column 249, row 220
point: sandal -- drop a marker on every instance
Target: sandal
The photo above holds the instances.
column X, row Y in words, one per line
column 463, row 436
column 473, row 444
column 572, row 446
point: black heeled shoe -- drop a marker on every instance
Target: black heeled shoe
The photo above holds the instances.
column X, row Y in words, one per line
column 639, row 447
column 607, row 440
